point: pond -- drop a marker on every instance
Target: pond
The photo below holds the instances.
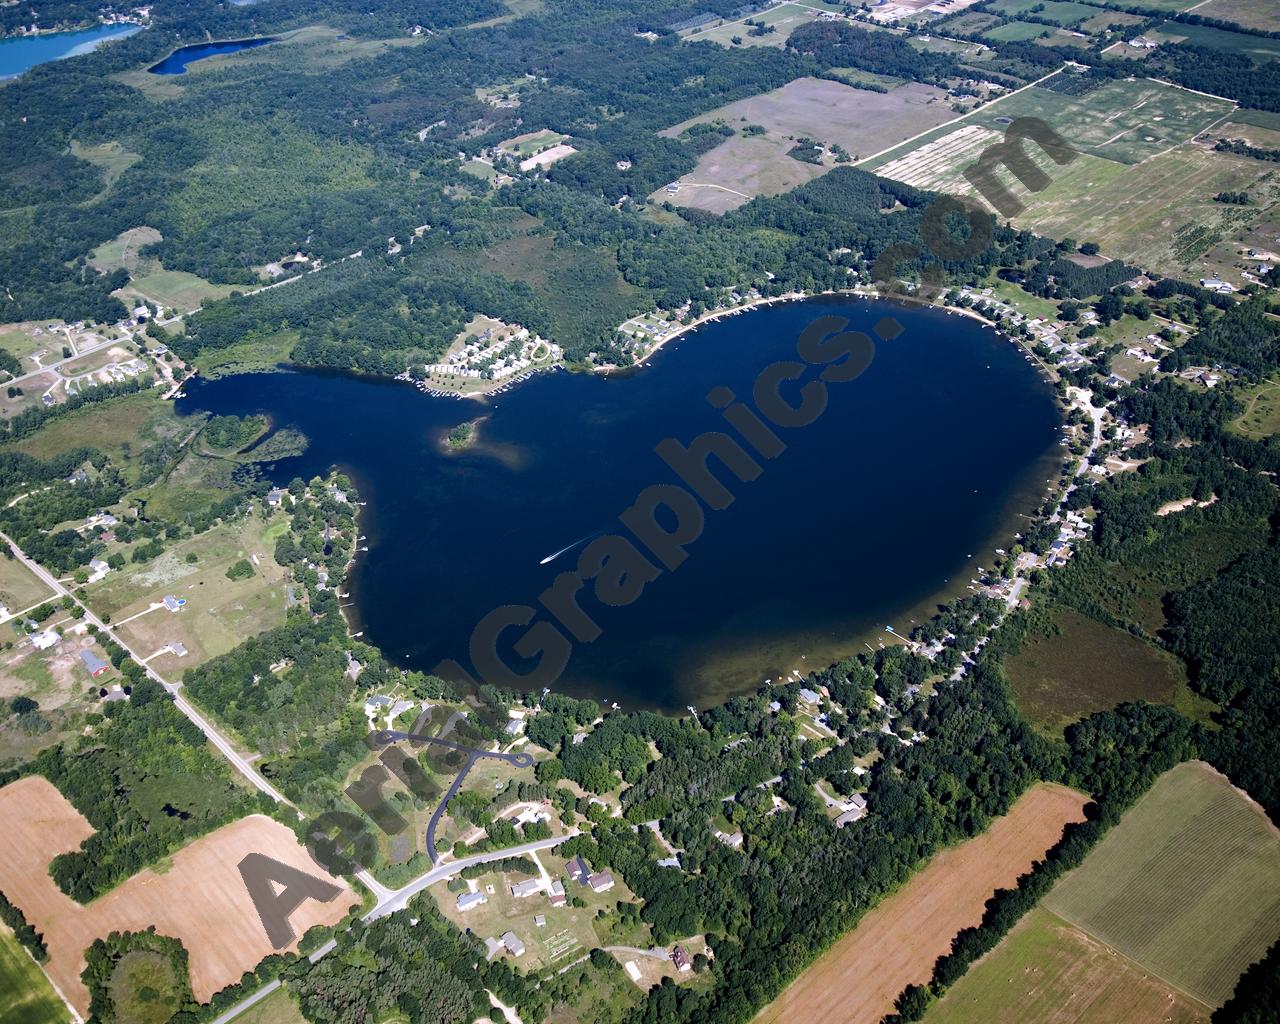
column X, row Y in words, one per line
column 892, row 498
column 18, row 55
column 178, row 61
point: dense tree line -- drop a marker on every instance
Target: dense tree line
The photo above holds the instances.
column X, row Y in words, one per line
column 17, row 922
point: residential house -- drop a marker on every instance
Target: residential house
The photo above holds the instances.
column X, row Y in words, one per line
column 526, row 888
column 680, row 957
column 514, row 946
column 178, row 648
column 854, row 809
column 602, row 881
column 93, row 663
column 579, row 869
column 556, row 893
column 467, row 900
column 173, row 603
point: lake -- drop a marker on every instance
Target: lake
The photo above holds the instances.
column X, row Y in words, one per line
column 900, row 489
column 177, row 62
column 17, row 55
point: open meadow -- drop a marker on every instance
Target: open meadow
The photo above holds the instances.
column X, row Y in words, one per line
column 1187, row 885
column 198, row 895
column 1261, row 415
column 857, row 980
column 1086, row 667
column 747, row 165
column 1046, row 971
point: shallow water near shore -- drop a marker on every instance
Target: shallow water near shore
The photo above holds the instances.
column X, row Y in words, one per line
column 888, row 501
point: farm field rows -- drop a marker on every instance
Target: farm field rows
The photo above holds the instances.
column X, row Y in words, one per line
column 896, row 944
column 1048, row 972
column 1187, row 885
column 200, row 898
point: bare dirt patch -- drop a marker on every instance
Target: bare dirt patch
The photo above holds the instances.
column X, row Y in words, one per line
column 200, row 898
column 896, row 944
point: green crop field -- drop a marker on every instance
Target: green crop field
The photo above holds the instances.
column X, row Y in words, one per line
column 1046, row 971
column 26, row 997
column 1187, row 885
column 1126, row 121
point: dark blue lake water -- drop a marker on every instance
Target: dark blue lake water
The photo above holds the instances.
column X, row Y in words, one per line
column 178, row 61
column 907, row 481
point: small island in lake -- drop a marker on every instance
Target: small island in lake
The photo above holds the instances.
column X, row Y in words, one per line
column 462, row 436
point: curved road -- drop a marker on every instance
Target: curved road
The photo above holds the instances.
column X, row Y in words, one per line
column 518, row 760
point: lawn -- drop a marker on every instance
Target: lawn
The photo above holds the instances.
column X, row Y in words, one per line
column 1088, row 667
column 1261, row 416
column 1062, row 12
column 569, row 932
column 26, row 997
column 1187, row 885
column 1048, row 972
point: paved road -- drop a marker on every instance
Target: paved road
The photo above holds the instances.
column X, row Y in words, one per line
column 183, row 705
column 519, row 760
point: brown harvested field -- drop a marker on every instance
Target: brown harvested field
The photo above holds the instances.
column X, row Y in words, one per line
column 743, row 167
column 197, row 897
column 896, row 944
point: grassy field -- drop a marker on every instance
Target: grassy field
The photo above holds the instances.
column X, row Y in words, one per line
column 219, row 612
column 26, row 997
column 744, row 166
column 145, row 988
column 1248, row 13
column 1015, row 32
column 1261, row 416
column 278, row 1008
column 785, row 19
column 1258, row 47
column 1088, row 667
column 1048, row 972
column 111, row 157
column 532, row 142
column 1063, row 12
column 19, row 588
column 1187, row 885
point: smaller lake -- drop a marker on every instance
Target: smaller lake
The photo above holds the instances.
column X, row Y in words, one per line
column 178, row 61
column 19, row 55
